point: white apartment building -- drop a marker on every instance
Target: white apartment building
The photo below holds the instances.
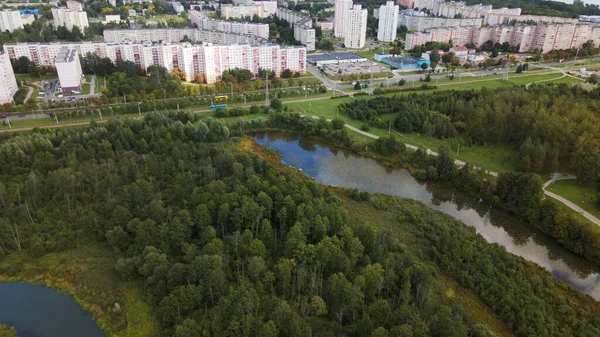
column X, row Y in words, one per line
column 68, row 68
column 112, row 18
column 421, row 23
column 242, row 11
column 75, row 5
column 10, row 20
column 201, row 21
column 341, row 7
column 543, row 37
column 269, row 7
column 179, row 34
column 70, row 18
column 355, row 26
column 112, row 2
column 388, row 22
column 209, row 60
column 302, row 25
column 8, row 82
column 177, row 7
column 27, row 19
column 492, row 17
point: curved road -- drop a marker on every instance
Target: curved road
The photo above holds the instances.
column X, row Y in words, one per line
column 555, row 196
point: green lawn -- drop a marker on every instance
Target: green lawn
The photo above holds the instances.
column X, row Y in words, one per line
column 494, row 158
column 585, row 196
column 99, row 84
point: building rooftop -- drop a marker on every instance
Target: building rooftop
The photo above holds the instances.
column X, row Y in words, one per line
column 66, row 55
column 404, row 59
column 344, row 55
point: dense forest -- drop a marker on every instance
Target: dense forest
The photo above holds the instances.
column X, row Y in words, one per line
column 224, row 243
column 553, row 126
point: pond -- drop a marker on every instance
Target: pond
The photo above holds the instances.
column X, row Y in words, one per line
column 331, row 166
column 37, row 311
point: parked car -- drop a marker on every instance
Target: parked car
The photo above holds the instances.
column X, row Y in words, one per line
column 3, row 116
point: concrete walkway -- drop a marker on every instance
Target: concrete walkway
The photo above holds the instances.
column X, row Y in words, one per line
column 28, row 94
column 93, row 85
column 570, row 204
column 461, row 163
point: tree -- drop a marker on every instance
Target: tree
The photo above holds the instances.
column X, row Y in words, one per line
column 357, row 86
column 199, row 78
column 424, row 66
column 401, row 82
column 276, row 104
column 286, row 73
column 519, row 69
column 338, row 123
column 434, row 57
column 445, row 164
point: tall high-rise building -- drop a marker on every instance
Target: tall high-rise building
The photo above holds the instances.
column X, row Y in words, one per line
column 341, row 7
column 68, row 68
column 355, row 27
column 10, row 20
column 8, row 82
column 388, row 22
column 69, row 18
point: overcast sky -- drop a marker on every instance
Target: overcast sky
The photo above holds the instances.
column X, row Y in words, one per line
column 595, row 2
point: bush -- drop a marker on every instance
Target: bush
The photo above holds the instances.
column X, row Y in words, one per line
column 365, row 127
column 338, row 123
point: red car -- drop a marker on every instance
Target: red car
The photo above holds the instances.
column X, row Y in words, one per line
column 3, row 116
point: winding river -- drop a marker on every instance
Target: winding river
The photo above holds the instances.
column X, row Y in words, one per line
column 335, row 167
column 37, row 311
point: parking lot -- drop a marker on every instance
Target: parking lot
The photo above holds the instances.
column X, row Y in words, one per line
column 355, row 68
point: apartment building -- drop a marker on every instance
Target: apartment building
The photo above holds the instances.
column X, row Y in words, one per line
column 177, row 7
column 198, row 19
column 209, row 60
column 355, row 26
column 78, row 6
column 8, row 82
column 341, row 7
column 421, row 23
column 179, row 34
column 68, row 68
column 242, row 11
column 543, row 36
column 10, row 20
column 69, row 18
column 388, row 22
column 490, row 16
column 302, row 25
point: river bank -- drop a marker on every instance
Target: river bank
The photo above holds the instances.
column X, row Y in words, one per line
column 443, row 241
column 333, row 166
column 87, row 274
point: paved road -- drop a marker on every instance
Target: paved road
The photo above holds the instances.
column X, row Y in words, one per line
column 570, row 204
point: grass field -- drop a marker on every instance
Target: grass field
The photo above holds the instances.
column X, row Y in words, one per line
column 99, row 84
column 585, row 196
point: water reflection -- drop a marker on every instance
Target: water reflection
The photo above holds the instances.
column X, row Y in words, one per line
column 336, row 167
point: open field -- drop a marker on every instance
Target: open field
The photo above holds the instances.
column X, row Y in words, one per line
column 585, row 196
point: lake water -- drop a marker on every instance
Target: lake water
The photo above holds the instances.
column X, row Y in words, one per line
column 331, row 166
column 37, row 311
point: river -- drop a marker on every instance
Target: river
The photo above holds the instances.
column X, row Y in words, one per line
column 37, row 311
column 331, row 166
